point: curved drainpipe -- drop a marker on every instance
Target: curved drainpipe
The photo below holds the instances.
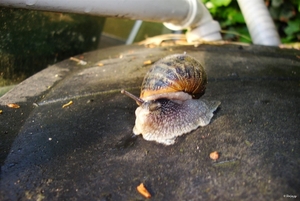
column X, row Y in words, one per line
column 175, row 14
column 259, row 22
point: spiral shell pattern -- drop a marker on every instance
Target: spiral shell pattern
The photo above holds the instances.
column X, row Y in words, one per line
column 179, row 72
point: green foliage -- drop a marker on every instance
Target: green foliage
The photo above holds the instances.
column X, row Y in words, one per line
column 32, row 40
column 285, row 14
column 228, row 14
column 220, row 3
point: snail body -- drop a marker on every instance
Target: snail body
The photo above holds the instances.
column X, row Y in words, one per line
column 169, row 104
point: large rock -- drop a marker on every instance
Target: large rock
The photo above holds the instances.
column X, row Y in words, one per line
column 86, row 151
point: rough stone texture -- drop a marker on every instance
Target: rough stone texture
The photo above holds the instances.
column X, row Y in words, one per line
column 86, row 151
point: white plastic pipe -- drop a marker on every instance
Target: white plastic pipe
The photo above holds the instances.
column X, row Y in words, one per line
column 172, row 11
column 259, row 22
column 134, row 32
column 178, row 13
column 199, row 23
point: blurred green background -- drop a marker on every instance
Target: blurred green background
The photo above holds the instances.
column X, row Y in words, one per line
column 32, row 40
column 285, row 13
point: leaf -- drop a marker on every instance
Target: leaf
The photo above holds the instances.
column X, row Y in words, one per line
column 220, row 3
column 67, row 104
column 293, row 27
column 287, row 12
column 142, row 190
column 233, row 16
column 237, row 17
column 277, row 3
column 13, row 105
column 287, row 39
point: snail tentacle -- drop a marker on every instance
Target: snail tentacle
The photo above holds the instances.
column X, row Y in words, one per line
column 138, row 100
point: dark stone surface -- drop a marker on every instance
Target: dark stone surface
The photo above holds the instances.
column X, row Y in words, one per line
column 86, row 151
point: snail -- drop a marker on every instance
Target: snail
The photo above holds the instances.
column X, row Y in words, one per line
column 169, row 104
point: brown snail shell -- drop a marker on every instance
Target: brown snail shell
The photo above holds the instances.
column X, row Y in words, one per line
column 166, row 105
column 172, row 74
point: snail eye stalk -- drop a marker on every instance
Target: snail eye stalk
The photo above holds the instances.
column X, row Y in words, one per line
column 139, row 101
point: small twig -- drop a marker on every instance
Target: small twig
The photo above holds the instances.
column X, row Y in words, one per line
column 237, row 34
column 79, row 61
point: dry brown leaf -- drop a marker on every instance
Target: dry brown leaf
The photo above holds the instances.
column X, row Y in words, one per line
column 1, row 111
column 148, row 62
column 13, row 105
column 142, row 190
column 67, row 104
column 214, row 155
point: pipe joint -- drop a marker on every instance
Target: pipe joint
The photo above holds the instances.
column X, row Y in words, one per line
column 192, row 17
column 199, row 23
